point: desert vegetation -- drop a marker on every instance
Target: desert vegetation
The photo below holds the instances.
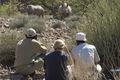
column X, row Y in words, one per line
column 99, row 19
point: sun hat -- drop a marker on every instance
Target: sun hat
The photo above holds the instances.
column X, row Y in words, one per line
column 59, row 43
column 81, row 36
column 30, row 32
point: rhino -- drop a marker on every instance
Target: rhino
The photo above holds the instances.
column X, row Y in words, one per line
column 35, row 10
column 64, row 10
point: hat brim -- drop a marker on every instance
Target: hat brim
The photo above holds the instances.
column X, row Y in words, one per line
column 81, row 39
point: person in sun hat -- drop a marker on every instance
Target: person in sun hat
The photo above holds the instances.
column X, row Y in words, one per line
column 85, row 57
column 27, row 54
column 56, row 62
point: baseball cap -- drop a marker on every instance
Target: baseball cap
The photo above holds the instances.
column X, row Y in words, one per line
column 30, row 32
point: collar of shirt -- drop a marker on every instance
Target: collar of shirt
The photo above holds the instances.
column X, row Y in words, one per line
column 82, row 44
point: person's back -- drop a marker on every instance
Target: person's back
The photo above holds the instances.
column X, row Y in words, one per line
column 56, row 66
column 27, row 51
column 86, row 54
column 56, row 62
column 85, row 57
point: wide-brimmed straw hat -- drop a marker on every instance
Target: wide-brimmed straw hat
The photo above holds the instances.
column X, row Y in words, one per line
column 59, row 44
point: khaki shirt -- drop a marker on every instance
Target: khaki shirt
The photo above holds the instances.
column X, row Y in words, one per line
column 25, row 51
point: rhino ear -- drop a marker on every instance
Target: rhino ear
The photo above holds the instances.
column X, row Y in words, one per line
column 67, row 5
column 62, row 4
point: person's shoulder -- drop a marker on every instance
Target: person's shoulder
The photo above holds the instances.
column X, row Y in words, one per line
column 20, row 42
column 36, row 42
column 76, row 48
column 64, row 54
column 48, row 55
column 90, row 46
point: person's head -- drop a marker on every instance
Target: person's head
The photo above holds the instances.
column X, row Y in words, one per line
column 80, row 38
column 59, row 45
column 31, row 33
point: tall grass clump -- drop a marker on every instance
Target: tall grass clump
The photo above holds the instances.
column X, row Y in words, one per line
column 36, row 23
column 74, row 22
column 8, row 43
column 101, row 25
column 58, row 25
column 19, row 21
column 9, row 8
column 103, row 31
column 28, row 21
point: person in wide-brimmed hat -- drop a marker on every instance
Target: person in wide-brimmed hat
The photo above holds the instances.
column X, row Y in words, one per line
column 56, row 62
column 85, row 57
column 26, row 52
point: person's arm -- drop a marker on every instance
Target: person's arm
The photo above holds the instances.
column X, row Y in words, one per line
column 40, row 47
column 43, row 49
column 75, row 57
column 70, row 61
column 96, row 57
column 76, row 61
column 44, row 66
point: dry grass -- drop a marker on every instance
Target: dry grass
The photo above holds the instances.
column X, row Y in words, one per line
column 8, row 43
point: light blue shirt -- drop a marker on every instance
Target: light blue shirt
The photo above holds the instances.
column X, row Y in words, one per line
column 86, row 54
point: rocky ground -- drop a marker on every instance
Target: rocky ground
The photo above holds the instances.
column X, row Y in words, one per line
column 48, row 36
column 8, row 74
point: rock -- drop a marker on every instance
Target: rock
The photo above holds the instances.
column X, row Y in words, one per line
column 1, row 25
column 6, row 25
column 8, row 20
column 51, row 29
column 3, row 30
column 58, row 29
column 40, row 35
column 67, row 37
column 18, row 77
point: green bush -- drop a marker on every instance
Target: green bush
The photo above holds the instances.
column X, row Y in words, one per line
column 9, row 8
column 58, row 25
column 74, row 22
column 36, row 23
column 19, row 21
column 28, row 21
column 8, row 43
column 102, row 28
column 73, row 18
